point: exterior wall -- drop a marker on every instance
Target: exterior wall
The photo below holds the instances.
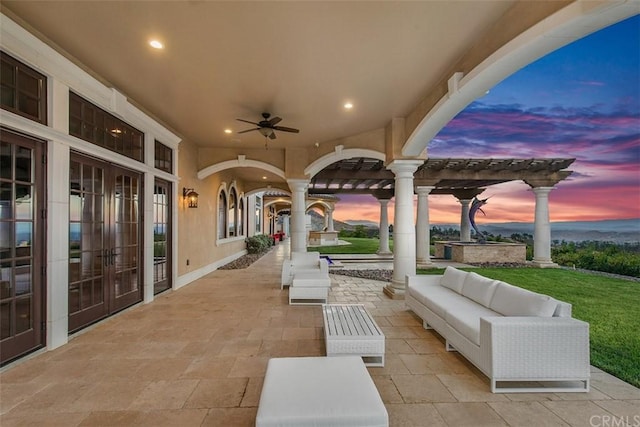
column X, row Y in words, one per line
column 198, row 243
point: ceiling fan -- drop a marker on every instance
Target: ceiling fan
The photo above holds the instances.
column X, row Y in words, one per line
column 267, row 126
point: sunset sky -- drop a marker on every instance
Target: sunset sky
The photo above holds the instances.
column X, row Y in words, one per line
column 581, row 101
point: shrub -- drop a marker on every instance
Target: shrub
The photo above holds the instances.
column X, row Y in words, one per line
column 259, row 243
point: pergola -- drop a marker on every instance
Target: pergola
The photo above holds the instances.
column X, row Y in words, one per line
column 447, row 176
column 464, row 178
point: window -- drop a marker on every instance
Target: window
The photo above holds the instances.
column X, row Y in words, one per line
column 232, row 212
column 258, row 215
column 222, row 215
column 163, row 158
column 240, row 216
column 22, row 89
column 91, row 123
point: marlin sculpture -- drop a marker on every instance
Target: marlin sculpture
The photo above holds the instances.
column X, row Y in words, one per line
column 476, row 206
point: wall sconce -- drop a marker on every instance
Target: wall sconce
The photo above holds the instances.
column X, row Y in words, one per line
column 190, row 196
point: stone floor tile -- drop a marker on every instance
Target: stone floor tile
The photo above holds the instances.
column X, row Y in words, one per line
column 216, row 367
column 241, row 348
column 252, row 393
column 309, row 348
column 414, row 415
column 109, row 396
column 627, row 409
column 523, row 414
column 164, row 395
column 398, row 346
column 469, row 414
column 162, row 418
column 470, row 388
column 217, row 393
column 421, row 389
column 54, row 398
column 301, row 333
column 62, row 419
column 387, row 389
column 577, row 413
column 392, row 365
column 272, row 348
column 253, row 366
column 226, row 417
column 614, row 387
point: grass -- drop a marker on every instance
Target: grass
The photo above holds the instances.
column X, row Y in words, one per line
column 358, row 246
column 610, row 306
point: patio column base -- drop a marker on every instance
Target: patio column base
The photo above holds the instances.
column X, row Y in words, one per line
column 386, row 253
column 393, row 292
column 425, row 264
column 544, row 264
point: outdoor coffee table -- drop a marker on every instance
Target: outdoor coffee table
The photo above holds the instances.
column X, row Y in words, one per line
column 349, row 329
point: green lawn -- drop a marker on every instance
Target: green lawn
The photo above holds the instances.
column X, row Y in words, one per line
column 610, row 306
column 358, row 246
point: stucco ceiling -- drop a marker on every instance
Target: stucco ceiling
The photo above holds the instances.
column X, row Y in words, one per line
column 297, row 60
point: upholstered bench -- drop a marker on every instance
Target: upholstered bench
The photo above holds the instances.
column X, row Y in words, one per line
column 319, row 391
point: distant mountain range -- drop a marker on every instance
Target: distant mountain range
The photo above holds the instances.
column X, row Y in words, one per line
column 618, row 230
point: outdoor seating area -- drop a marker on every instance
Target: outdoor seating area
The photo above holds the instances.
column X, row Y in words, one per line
column 199, row 357
column 511, row 334
column 307, row 276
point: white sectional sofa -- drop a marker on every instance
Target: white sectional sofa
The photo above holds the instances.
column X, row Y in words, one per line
column 509, row 333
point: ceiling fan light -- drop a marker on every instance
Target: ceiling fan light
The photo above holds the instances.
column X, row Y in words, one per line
column 266, row 132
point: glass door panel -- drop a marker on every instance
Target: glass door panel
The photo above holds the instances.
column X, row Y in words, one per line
column 22, row 244
column 161, row 236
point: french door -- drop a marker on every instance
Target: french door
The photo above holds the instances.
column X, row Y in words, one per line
column 105, row 236
column 22, row 245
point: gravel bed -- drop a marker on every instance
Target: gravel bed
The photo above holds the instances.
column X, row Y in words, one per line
column 243, row 262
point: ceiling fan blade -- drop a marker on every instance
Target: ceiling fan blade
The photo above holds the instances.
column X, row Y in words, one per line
column 247, row 121
column 286, row 129
column 273, row 135
column 275, row 120
column 248, row 130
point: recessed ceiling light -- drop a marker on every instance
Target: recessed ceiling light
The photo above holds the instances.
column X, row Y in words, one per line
column 264, row 177
column 156, row 44
column 228, row 131
column 348, row 105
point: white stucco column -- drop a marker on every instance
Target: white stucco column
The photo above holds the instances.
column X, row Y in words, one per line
column 465, row 223
column 404, row 233
column 423, row 237
column 384, row 228
column 285, row 226
column 298, row 217
column 330, row 220
column 542, row 229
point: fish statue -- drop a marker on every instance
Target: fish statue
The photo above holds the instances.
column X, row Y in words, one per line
column 476, row 205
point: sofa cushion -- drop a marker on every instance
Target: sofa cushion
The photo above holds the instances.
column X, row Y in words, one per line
column 453, row 279
column 479, row 288
column 466, row 319
column 511, row 300
column 437, row 298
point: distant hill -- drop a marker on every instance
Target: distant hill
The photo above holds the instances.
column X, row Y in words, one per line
column 364, row 222
column 619, row 230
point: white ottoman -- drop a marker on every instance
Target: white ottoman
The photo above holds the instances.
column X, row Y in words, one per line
column 309, row 288
column 319, row 391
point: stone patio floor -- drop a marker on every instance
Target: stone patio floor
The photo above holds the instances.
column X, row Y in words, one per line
column 197, row 357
